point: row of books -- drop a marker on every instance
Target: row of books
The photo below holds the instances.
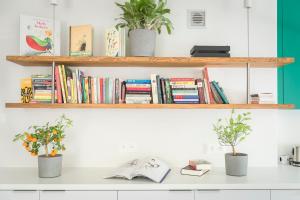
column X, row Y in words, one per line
column 73, row 86
column 262, row 98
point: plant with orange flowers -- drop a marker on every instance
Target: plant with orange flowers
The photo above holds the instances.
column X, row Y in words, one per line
column 48, row 137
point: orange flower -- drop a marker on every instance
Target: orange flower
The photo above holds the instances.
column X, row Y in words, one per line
column 53, row 152
column 33, row 154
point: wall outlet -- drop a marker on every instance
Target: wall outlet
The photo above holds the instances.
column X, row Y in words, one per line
column 128, row 148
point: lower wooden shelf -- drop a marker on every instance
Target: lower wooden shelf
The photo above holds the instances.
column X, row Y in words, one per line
column 149, row 106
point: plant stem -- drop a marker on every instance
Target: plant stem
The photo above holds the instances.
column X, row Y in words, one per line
column 233, row 150
column 46, row 146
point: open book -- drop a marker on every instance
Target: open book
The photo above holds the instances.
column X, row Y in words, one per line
column 151, row 168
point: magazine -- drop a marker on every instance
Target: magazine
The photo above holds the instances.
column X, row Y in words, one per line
column 36, row 36
column 151, row 168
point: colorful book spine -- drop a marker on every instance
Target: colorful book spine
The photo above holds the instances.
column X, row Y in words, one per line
column 200, row 86
column 154, row 89
column 221, row 92
column 207, row 86
column 136, row 81
column 58, row 85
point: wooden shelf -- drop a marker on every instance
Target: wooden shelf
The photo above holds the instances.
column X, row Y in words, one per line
column 149, row 61
column 150, row 106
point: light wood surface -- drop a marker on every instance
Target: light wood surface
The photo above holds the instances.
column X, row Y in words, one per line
column 100, row 61
column 150, row 106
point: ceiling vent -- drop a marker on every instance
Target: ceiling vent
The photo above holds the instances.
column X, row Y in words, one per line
column 196, row 18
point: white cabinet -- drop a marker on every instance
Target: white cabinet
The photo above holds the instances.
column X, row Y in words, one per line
column 232, row 195
column 78, row 195
column 19, row 195
column 285, row 194
column 156, row 195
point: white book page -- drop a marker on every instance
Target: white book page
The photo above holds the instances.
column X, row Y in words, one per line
column 126, row 171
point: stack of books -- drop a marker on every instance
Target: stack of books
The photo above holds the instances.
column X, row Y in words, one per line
column 41, row 88
column 184, row 91
column 138, row 91
column 262, row 98
column 210, row 51
column 196, row 168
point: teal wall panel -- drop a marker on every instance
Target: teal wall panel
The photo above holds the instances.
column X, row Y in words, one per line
column 289, row 46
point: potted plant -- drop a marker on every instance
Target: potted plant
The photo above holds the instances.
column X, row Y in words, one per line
column 144, row 18
column 231, row 132
column 49, row 138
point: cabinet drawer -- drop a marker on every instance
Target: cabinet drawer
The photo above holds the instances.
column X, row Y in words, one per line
column 19, row 195
column 285, row 194
column 233, row 195
column 156, row 195
column 78, row 195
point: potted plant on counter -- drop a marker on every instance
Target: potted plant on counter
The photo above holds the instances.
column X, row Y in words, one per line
column 49, row 138
column 231, row 132
column 144, row 18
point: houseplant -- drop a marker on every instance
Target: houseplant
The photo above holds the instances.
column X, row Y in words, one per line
column 144, row 18
column 47, row 137
column 231, row 132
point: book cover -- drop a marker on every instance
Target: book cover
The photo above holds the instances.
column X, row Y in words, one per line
column 163, row 90
column 58, row 85
column 102, row 90
column 107, row 91
column 36, row 36
column 221, row 92
column 154, row 89
column 61, row 78
column 26, row 90
column 112, row 42
column 168, row 91
column 136, row 81
column 216, row 95
column 158, row 89
column 200, row 86
column 188, row 170
column 81, row 40
column 210, row 98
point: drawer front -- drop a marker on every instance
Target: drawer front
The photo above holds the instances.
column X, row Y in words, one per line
column 156, row 195
column 233, row 195
column 285, row 194
column 19, row 195
column 78, row 195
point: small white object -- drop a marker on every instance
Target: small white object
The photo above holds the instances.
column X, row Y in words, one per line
column 54, row 2
column 248, row 3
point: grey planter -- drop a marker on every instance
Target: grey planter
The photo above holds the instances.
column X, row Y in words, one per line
column 50, row 167
column 236, row 165
column 142, row 42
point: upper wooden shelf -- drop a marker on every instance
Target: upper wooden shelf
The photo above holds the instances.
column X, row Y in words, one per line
column 149, row 106
column 101, row 61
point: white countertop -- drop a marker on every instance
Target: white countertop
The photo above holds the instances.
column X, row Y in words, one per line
column 92, row 179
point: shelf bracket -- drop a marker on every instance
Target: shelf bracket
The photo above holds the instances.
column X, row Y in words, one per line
column 53, row 83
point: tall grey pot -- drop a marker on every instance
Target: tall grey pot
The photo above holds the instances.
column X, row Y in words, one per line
column 236, row 165
column 142, row 42
column 50, row 167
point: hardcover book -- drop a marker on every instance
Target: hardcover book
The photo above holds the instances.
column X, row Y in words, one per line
column 81, row 40
column 26, row 90
column 37, row 36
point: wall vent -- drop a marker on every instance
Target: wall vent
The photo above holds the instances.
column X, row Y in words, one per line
column 196, row 18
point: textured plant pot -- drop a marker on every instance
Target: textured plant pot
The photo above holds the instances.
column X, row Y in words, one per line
column 236, row 165
column 50, row 167
column 142, row 42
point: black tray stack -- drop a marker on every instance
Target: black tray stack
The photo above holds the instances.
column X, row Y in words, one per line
column 210, row 51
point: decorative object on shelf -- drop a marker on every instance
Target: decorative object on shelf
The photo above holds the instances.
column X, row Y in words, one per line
column 37, row 36
column 210, row 51
column 189, row 170
column 144, row 18
column 200, row 164
column 26, row 90
column 296, row 156
column 81, row 40
column 47, row 137
column 151, row 168
column 115, row 42
column 230, row 133
column 262, row 98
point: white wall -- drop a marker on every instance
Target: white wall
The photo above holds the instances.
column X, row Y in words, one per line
column 174, row 135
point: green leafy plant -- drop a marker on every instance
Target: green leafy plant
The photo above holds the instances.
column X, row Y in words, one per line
column 145, row 14
column 234, row 130
column 46, row 136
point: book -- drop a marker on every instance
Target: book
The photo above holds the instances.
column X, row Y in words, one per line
column 37, row 36
column 200, row 165
column 81, row 40
column 200, row 86
column 221, row 92
column 58, row 85
column 151, row 168
column 154, row 89
column 26, row 90
column 159, row 92
column 197, row 54
column 168, row 91
column 188, row 170
column 62, row 82
column 138, row 81
column 210, row 49
column 115, row 42
column 216, row 95
column 210, row 98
